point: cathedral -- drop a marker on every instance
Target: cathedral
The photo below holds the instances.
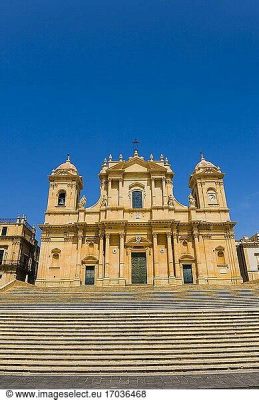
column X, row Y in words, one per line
column 137, row 233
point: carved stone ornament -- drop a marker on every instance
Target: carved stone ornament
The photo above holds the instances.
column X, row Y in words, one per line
column 170, row 201
column 192, row 202
column 82, row 202
column 104, row 201
column 138, row 239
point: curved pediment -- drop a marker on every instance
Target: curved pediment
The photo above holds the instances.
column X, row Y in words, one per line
column 89, row 259
column 55, row 251
column 187, row 257
column 219, row 248
column 136, row 185
column 138, row 241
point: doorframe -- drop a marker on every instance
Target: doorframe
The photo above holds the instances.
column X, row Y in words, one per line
column 193, row 272
column 137, row 250
column 95, row 273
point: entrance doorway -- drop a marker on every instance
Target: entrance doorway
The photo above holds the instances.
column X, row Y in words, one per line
column 187, row 274
column 89, row 275
column 138, row 268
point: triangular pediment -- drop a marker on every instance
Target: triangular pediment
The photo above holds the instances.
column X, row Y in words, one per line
column 137, row 164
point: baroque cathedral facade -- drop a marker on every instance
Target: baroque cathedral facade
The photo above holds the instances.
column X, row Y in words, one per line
column 137, row 233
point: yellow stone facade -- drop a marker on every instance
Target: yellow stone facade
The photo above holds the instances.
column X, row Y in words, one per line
column 19, row 251
column 137, row 232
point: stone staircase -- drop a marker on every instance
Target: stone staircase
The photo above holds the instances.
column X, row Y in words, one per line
column 133, row 331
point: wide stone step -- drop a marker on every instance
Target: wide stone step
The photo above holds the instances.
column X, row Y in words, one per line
column 132, row 351
column 127, row 331
column 245, row 356
column 67, row 313
column 141, row 305
column 130, row 326
column 166, row 327
column 128, row 369
column 124, row 334
column 134, row 346
column 139, row 340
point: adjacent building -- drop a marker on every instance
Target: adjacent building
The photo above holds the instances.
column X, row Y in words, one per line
column 248, row 256
column 137, row 233
column 19, row 251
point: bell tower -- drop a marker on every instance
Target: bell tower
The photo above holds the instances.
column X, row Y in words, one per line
column 206, row 183
column 64, row 191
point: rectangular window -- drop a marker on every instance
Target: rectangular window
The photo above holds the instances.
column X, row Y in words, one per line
column 1, row 256
column 4, row 231
column 137, row 199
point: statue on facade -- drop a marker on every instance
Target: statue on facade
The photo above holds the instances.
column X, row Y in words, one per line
column 104, row 201
column 82, row 202
column 192, row 202
column 170, row 200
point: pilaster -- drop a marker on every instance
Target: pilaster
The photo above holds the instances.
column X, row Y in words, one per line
column 171, row 272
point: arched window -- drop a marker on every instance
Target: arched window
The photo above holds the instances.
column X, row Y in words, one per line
column 62, row 198
column 137, row 201
column 221, row 257
column 212, row 196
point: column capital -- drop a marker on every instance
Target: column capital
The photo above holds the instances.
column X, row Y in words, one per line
column 122, row 234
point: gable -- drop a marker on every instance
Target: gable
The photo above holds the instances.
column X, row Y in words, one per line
column 137, row 164
column 136, row 168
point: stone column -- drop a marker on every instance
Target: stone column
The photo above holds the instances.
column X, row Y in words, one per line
column 171, row 272
column 176, row 258
column 164, row 192
column 121, row 272
column 107, row 254
column 155, row 254
column 100, row 265
column 197, row 255
column 109, row 191
column 78, row 261
column 153, row 191
column 120, row 192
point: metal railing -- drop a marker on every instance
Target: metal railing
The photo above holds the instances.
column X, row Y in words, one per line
column 13, row 263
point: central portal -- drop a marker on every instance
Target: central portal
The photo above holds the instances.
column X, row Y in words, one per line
column 89, row 275
column 138, row 268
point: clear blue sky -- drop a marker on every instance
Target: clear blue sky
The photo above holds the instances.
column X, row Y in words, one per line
column 87, row 77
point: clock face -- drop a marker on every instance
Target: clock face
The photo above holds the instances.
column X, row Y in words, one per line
column 212, row 198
